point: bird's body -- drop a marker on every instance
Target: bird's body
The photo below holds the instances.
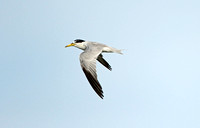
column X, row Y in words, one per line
column 92, row 52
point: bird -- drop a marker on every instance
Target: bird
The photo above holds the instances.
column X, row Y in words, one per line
column 92, row 51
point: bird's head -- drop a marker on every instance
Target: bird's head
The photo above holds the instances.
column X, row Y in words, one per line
column 79, row 43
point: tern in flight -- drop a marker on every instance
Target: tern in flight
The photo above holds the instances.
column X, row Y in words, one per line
column 92, row 52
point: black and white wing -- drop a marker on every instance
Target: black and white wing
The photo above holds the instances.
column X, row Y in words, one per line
column 88, row 64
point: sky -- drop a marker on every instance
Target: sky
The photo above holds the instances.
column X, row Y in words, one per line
column 154, row 84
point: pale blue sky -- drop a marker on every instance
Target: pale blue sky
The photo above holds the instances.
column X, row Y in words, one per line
column 155, row 84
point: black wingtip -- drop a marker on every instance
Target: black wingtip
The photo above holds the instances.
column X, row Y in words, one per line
column 104, row 62
column 94, row 83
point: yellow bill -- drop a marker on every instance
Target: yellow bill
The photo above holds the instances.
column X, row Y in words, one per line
column 72, row 44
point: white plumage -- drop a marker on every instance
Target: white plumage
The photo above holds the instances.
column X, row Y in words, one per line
column 92, row 52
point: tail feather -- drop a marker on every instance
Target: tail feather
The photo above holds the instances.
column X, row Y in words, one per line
column 119, row 51
column 111, row 49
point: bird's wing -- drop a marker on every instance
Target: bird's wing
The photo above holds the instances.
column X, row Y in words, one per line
column 88, row 64
column 104, row 62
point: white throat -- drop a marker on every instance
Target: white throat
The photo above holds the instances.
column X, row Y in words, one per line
column 80, row 45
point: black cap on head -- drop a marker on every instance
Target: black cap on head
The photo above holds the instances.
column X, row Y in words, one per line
column 79, row 41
